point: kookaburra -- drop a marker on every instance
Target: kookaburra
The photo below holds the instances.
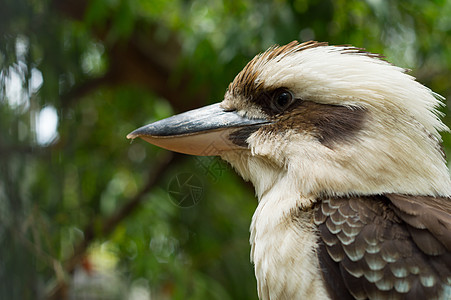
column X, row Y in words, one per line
column 343, row 149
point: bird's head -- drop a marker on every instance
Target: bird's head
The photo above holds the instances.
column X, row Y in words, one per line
column 321, row 119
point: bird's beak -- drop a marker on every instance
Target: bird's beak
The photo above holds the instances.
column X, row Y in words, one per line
column 205, row 131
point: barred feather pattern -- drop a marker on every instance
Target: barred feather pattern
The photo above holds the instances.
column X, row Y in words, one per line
column 385, row 247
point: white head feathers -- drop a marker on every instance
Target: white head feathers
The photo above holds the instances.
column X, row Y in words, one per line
column 395, row 150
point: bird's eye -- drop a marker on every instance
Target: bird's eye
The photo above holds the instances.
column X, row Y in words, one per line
column 282, row 99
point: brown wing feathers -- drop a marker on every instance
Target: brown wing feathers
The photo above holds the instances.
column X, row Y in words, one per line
column 385, row 247
column 432, row 213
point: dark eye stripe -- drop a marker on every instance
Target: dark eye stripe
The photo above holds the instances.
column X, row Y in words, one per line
column 275, row 102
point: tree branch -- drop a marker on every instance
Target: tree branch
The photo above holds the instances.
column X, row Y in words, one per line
column 110, row 223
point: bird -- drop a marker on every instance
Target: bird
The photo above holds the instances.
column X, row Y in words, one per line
column 344, row 151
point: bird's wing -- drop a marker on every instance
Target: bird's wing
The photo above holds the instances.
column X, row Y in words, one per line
column 388, row 247
column 423, row 212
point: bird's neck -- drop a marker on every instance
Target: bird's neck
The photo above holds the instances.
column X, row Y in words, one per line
column 284, row 243
column 283, row 238
column 268, row 178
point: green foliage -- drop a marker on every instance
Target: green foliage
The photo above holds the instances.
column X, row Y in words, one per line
column 82, row 212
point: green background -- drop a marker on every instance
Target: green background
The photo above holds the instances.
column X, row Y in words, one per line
column 84, row 214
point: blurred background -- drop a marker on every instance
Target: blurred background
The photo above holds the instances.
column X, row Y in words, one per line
column 84, row 213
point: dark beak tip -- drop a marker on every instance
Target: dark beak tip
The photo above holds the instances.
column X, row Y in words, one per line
column 135, row 134
column 142, row 131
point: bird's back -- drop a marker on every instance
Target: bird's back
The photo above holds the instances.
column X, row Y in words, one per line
column 385, row 246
